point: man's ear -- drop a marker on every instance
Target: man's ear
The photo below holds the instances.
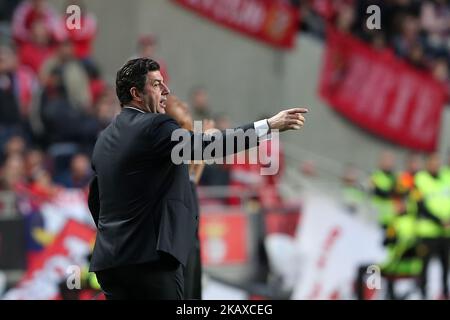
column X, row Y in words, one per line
column 135, row 94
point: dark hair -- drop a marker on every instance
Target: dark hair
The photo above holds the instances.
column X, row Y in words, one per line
column 133, row 74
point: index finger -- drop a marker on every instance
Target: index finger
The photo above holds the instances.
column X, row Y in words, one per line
column 298, row 110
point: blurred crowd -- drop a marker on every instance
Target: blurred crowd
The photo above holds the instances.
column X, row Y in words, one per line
column 417, row 31
column 53, row 100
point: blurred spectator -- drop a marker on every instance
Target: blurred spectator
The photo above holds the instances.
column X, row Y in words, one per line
column 38, row 48
column 217, row 174
column 42, row 185
column 222, row 121
column 28, row 13
column 345, row 19
column 433, row 224
column 74, row 78
column 200, row 103
column 245, row 178
column 79, row 175
column 12, row 172
column 34, row 161
column 22, row 82
column 310, row 21
column 378, row 41
column 63, row 121
column 17, row 88
column 308, row 169
column 66, row 113
column 383, row 183
column 353, row 194
column 146, row 48
column 15, row 146
column 435, row 20
column 441, row 72
column 97, row 85
column 107, row 107
column 408, row 37
column 395, row 11
column 405, row 182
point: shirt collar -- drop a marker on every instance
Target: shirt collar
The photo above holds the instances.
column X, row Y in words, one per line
column 134, row 109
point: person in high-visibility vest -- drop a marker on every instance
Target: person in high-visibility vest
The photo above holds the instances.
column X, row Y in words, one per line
column 432, row 199
column 405, row 183
column 403, row 258
column 383, row 189
column 405, row 179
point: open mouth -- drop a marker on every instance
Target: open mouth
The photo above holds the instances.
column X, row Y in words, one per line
column 162, row 105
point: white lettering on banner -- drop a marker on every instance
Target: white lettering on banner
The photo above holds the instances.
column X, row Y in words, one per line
column 386, row 85
column 254, row 15
column 370, row 87
column 421, row 124
column 272, row 22
column 374, row 90
column 246, row 14
column 281, row 23
column 356, row 76
column 406, row 88
column 226, row 10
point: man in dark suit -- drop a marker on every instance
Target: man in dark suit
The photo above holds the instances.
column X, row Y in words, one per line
column 140, row 199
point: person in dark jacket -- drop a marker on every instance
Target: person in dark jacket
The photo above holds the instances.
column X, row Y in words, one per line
column 145, row 221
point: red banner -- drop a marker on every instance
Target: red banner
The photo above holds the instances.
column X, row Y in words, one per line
column 274, row 22
column 381, row 93
column 70, row 248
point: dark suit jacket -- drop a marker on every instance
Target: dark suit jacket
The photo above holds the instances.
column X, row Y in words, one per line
column 140, row 200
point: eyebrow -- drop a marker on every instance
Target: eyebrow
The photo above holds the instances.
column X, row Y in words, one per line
column 157, row 80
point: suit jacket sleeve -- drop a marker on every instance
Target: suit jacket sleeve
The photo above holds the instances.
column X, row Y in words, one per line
column 94, row 199
column 165, row 141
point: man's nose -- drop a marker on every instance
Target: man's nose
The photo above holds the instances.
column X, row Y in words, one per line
column 166, row 89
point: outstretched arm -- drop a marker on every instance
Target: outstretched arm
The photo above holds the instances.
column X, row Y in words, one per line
column 168, row 135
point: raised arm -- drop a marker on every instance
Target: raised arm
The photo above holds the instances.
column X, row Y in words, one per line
column 172, row 140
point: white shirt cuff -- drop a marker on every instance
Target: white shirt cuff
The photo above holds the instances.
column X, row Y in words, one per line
column 262, row 129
